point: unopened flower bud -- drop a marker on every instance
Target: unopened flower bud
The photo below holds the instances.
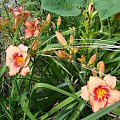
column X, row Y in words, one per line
column 70, row 57
column 62, row 54
column 48, row 19
column 101, row 68
column 53, row 25
column 76, row 50
column 58, row 22
column 71, row 39
column 35, row 44
column 82, row 59
column 92, row 59
column 61, row 38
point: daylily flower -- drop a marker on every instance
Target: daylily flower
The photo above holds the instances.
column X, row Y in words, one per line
column 100, row 93
column 17, row 60
column 19, row 14
column 31, row 28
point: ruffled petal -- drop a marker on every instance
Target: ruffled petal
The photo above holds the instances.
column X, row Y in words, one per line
column 25, row 71
column 28, row 24
column 36, row 33
column 96, row 105
column 13, row 69
column 84, row 93
column 28, row 34
column 114, row 96
column 23, row 47
column 110, row 81
column 10, row 52
column 36, row 22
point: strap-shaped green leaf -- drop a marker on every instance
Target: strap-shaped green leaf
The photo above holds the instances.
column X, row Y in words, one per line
column 102, row 112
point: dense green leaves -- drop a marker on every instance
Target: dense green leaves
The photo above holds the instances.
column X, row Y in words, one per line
column 63, row 7
column 107, row 8
column 52, row 89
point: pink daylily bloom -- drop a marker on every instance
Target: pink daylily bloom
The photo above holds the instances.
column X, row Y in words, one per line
column 16, row 57
column 31, row 28
column 20, row 14
column 100, row 93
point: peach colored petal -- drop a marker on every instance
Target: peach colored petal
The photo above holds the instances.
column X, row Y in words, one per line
column 36, row 22
column 28, row 34
column 25, row 71
column 28, row 23
column 10, row 51
column 84, row 93
column 23, row 47
column 20, row 8
column 93, row 83
column 96, row 105
column 114, row 96
column 110, row 81
column 36, row 33
column 13, row 70
column 16, row 13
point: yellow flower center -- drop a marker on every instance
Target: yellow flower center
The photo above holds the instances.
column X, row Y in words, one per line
column 100, row 92
column 19, row 60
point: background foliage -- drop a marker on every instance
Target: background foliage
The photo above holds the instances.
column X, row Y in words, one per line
column 52, row 89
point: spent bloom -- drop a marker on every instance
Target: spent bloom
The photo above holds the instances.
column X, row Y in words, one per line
column 17, row 60
column 19, row 14
column 3, row 22
column 100, row 92
column 90, row 7
column 31, row 28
